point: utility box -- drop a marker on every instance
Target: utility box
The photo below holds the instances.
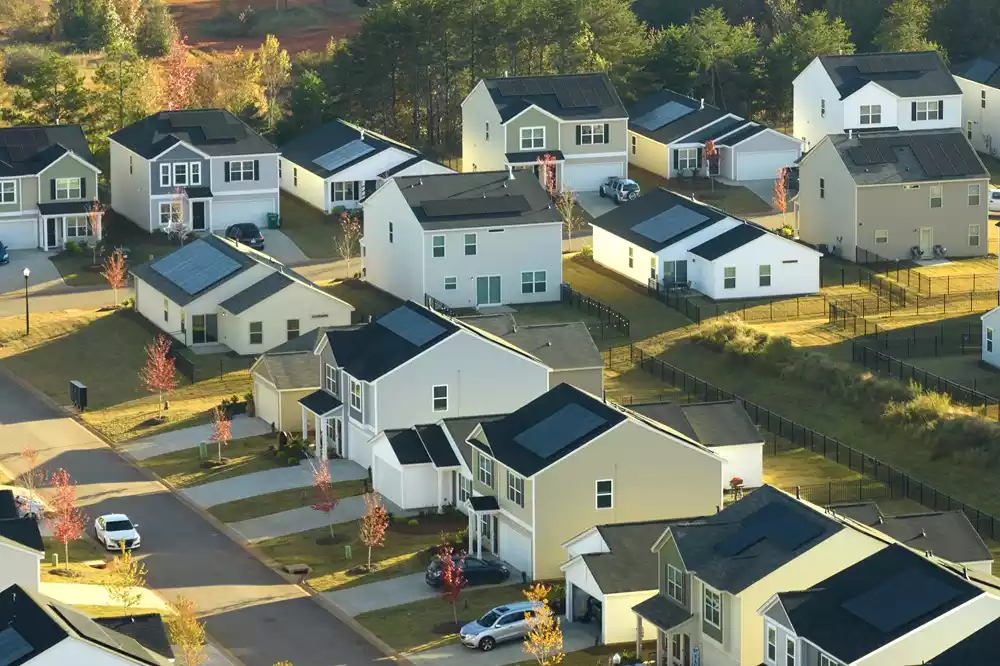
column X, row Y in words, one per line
column 78, row 395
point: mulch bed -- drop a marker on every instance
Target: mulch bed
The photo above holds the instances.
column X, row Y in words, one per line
column 449, row 627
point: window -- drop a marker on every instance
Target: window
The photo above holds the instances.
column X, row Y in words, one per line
column 390, row 232
column 871, row 114
column 450, row 283
column 729, row 277
column 464, row 488
column 764, row 275
column 439, row 398
column 280, row 170
column 633, row 144
column 687, row 158
column 180, row 173
column 533, row 282
column 822, row 108
column 532, row 138
column 355, row 395
column 487, row 131
column 968, row 130
column 974, row 191
column 164, row 175
column 204, row 329
column 256, row 332
column 67, row 188
column 330, row 379
column 8, row 191
column 170, row 212
column 240, row 171
column 989, row 339
column 772, row 644
column 485, row 470
column 591, row 134
column 485, row 525
column 77, row 226
column 292, row 328
column 130, row 165
column 675, row 583
column 437, row 246
column 982, row 99
column 470, row 245
column 822, row 188
column 166, row 310
column 652, row 267
column 295, row 176
column 344, row 191
column 927, row 110
column 713, row 607
column 974, row 235
column 789, row 652
column 631, row 252
column 515, row 489
column 826, row 661
column 937, row 196
column 604, row 494
column 881, row 236
column 194, row 175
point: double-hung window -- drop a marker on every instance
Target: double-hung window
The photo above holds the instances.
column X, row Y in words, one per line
column 67, row 188
column 605, row 494
column 974, row 235
column 928, row 110
column 487, row 131
column 355, row 395
column 989, row 339
column 170, row 213
column 764, row 279
column 470, row 245
column 241, row 170
column 194, row 175
column 292, row 328
column 871, row 114
column 295, row 176
column 77, row 226
column 591, row 134
column 713, row 608
column 344, row 191
column 515, row 488
column 937, row 196
column 975, row 191
column 533, row 282
column 439, row 398
column 485, row 471
column 771, row 656
column 532, row 138
column 390, row 232
column 8, row 191
column 687, row 158
column 729, row 277
column 437, row 246
column 675, row 583
column 789, row 652
column 256, row 332
column 330, row 379
column 464, row 488
column 164, row 175
column 180, row 173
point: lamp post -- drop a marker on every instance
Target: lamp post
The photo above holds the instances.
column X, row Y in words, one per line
column 27, row 321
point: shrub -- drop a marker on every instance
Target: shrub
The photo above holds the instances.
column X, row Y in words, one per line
column 587, row 252
column 923, row 410
column 291, row 461
column 156, row 30
column 413, row 522
column 963, row 433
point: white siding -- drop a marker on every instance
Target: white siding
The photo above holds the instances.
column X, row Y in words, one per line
column 801, row 277
column 991, row 320
column 952, row 113
column 620, row 621
column 20, row 234
column 407, row 486
column 130, row 191
column 307, row 186
column 76, row 651
column 612, row 251
column 361, row 443
column 267, row 403
column 20, row 566
column 227, row 210
column 149, row 303
column 478, row 153
column 514, row 546
column 745, row 461
column 871, row 94
column 985, row 122
column 396, row 267
column 811, row 87
column 592, row 543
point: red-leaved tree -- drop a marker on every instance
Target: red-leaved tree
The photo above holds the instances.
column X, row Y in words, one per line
column 95, row 215
column 373, row 525
column 452, row 577
column 547, row 172
column 178, row 76
column 115, row 272
column 346, row 243
column 159, row 375
column 712, row 159
column 222, row 429
column 781, row 193
column 326, row 498
column 68, row 520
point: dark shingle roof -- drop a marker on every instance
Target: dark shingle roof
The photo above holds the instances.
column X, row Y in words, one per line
column 621, row 219
column 709, row 423
column 715, row 130
column 978, row 649
column 215, row 132
column 8, row 507
column 320, row 402
column 728, row 241
column 662, row 612
column 388, row 173
column 984, row 69
column 257, row 292
column 23, row 531
column 532, row 156
column 915, row 74
column 518, row 200
column 484, row 503
column 289, row 370
column 461, row 428
column 630, row 566
column 27, row 149
column 407, row 446
column 753, row 129
column 566, row 346
column 148, row 273
column 566, row 96
column 700, row 116
column 897, row 590
column 319, row 141
column 907, row 157
column 947, row 534
column 147, row 629
column 436, row 444
column 65, row 207
column 866, row 513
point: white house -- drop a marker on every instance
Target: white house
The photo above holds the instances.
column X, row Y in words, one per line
column 979, row 80
column 668, row 132
column 990, row 322
column 676, row 241
column 872, row 91
column 338, row 165
column 203, row 169
column 215, row 291
column 468, row 239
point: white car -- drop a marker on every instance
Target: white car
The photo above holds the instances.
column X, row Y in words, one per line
column 29, row 507
column 995, row 199
column 114, row 528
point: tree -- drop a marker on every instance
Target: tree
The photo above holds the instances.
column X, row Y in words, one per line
column 125, row 580
column 346, row 243
column 904, row 27
column 95, row 215
column 34, row 476
column 159, row 375
column 124, row 88
column 720, row 51
column 452, row 578
column 230, row 81
column 780, row 198
column 275, row 73
column 323, row 491
column 68, row 520
column 80, row 22
column 566, row 205
column 222, row 429
column 115, row 272
column 178, row 76
column 308, row 104
column 712, row 160
column 373, row 525
column 547, row 173
column 157, row 31
column 186, row 631
column 176, row 227
column 52, row 94
column 544, row 641
column 25, row 20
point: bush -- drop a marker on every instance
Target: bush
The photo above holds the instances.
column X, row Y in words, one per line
column 128, row 303
column 292, row 461
column 413, row 522
column 73, row 248
column 922, row 410
column 587, row 252
column 962, row 434
column 157, row 30
column 22, row 60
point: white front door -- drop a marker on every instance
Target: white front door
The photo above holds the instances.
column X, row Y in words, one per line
column 927, row 241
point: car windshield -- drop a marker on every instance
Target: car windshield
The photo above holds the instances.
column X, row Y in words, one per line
column 117, row 526
column 630, row 187
column 250, row 230
column 490, row 618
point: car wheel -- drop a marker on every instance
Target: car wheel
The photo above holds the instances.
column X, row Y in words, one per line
column 631, row 196
column 601, row 192
column 487, row 644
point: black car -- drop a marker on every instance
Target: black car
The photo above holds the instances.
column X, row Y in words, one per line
column 4, row 255
column 475, row 570
column 246, row 233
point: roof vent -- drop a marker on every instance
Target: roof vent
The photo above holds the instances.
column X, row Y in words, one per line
column 362, row 133
column 923, row 533
column 510, row 172
column 548, row 343
column 880, row 521
column 702, row 101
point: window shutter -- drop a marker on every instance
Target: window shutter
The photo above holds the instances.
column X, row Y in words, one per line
column 370, row 187
column 357, row 190
column 225, row 166
column 83, row 188
column 701, row 152
column 913, row 110
column 256, row 169
column 676, row 160
column 52, row 188
column 940, row 109
column 578, row 135
column 607, row 128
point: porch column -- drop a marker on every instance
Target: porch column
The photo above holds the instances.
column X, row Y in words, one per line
column 659, row 647
column 65, row 225
column 472, row 526
column 440, row 491
column 316, row 434
column 479, row 541
column 100, row 227
column 305, row 424
column 322, row 438
column 638, row 638
column 569, row 602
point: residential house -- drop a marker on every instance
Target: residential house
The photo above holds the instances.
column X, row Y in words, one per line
column 874, row 91
column 21, row 546
column 667, row 134
column 979, row 80
column 338, row 165
column 216, row 291
column 903, row 195
column 283, row 376
column 716, row 572
column 48, row 188
column 675, row 241
column 567, row 461
column 147, row 629
column 977, row 648
column 467, row 240
column 893, row 607
column 200, row 170
column 990, row 322
column 576, row 119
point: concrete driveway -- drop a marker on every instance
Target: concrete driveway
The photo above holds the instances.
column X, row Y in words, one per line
column 43, row 272
column 762, row 188
column 576, row 636
column 189, row 438
column 383, row 594
column 594, row 203
column 282, row 248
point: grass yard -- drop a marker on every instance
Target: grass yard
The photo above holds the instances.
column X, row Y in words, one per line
column 958, row 267
column 963, row 369
column 801, row 467
column 283, row 500
column 629, row 384
column 81, row 550
column 597, row 656
column 738, row 201
column 183, row 469
column 311, row 229
column 367, row 299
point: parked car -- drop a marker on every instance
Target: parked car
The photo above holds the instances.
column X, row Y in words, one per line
column 246, row 233
column 475, row 570
column 27, row 506
column 4, row 254
column 113, row 528
column 995, row 199
column 620, row 189
column 503, row 623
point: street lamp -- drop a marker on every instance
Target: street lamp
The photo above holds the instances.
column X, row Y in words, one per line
column 27, row 322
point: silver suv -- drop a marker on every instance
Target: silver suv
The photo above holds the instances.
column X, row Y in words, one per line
column 503, row 623
column 620, row 189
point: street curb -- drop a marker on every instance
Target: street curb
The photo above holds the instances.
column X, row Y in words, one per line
column 259, row 555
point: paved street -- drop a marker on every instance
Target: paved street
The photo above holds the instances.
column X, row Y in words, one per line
column 252, row 610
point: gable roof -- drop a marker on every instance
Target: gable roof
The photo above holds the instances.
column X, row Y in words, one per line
column 484, row 198
column 24, row 531
column 28, row 149
column 742, row 134
column 750, row 539
column 874, row 602
column 723, row 423
column 422, row 444
column 215, row 132
column 879, row 158
column 567, row 96
column 728, row 241
column 259, row 291
column 677, row 217
column 562, row 346
column 308, row 148
column 977, row 649
column 461, row 427
column 913, row 74
column 147, row 629
column 685, row 115
column 289, row 370
column 631, row 564
column 985, row 70
column 8, row 507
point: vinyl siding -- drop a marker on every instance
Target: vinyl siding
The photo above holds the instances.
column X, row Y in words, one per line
column 985, row 122
column 823, row 220
column 26, row 193
column 650, row 155
column 499, row 489
column 130, row 189
column 19, row 566
column 591, row 381
column 533, row 118
column 478, row 154
column 68, row 167
column 177, row 154
column 267, row 170
column 395, row 267
column 617, row 140
column 308, row 186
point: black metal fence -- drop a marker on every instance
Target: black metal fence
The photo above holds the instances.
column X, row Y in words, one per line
column 605, row 313
column 432, row 303
column 923, row 284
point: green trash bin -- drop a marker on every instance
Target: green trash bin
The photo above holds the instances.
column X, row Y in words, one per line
column 273, row 221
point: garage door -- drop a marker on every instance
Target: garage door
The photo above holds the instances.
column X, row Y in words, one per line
column 387, row 480
column 267, row 404
column 587, row 177
column 514, row 547
column 231, row 212
column 19, row 234
column 758, row 166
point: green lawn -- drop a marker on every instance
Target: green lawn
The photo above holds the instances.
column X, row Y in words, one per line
column 81, row 550
column 283, row 500
column 311, row 229
column 598, row 656
column 183, row 469
column 737, row 201
column 367, row 299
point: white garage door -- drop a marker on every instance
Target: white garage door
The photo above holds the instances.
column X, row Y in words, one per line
column 267, row 403
column 515, row 548
column 19, row 234
column 758, row 166
column 387, row 480
column 231, row 212
column 587, row 177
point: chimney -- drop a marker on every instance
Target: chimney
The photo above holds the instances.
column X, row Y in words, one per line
column 702, row 103
column 510, row 172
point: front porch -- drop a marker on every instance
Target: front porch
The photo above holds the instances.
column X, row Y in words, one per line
column 483, row 523
column 68, row 221
column 327, row 416
column 674, row 628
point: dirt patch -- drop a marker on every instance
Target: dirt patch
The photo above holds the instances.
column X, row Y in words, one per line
column 448, row 628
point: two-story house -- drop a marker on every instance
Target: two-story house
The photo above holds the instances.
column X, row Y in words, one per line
column 201, row 169
column 577, row 119
column 48, row 188
column 895, row 607
column 979, row 647
column 900, row 194
column 872, row 91
column 466, row 239
column 979, row 80
column 21, row 546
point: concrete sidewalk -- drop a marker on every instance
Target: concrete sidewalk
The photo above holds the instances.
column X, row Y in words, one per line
column 269, row 481
column 189, row 438
column 307, row 518
column 83, row 594
column 383, row 594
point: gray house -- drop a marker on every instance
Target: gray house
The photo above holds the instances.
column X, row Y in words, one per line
column 202, row 170
column 903, row 195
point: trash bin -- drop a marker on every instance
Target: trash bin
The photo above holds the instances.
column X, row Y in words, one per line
column 273, row 221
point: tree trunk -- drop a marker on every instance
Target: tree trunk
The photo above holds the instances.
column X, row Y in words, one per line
column 454, row 611
column 369, row 558
column 66, row 561
column 329, row 515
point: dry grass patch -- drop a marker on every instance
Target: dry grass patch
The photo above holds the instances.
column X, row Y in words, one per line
column 115, row 611
column 81, row 550
column 283, row 500
column 183, row 469
column 959, row 267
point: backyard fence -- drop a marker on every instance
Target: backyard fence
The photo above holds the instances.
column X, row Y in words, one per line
column 605, row 313
column 432, row 303
column 926, row 285
column 897, row 484
column 942, row 339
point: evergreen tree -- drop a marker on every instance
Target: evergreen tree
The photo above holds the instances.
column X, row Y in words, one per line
column 52, row 94
column 904, row 27
column 124, row 89
column 307, row 106
column 157, row 31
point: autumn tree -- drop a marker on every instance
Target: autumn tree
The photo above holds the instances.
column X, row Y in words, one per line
column 34, row 475
column 346, row 243
column 544, row 642
column 452, row 577
column 780, row 198
column 159, row 375
column 115, row 272
column 275, row 73
column 326, row 499
column 546, row 165
column 124, row 89
column 125, row 579
column 712, row 160
column 186, row 631
column 222, row 429
column 373, row 525
column 68, row 521
column 178, row 76
column 95, row 215
column 565, row 202
column 230, row 81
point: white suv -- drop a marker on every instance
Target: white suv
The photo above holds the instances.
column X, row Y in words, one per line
column 620, row 189
column 994, row 199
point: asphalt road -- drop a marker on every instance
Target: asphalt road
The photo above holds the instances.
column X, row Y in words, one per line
column 250, row 609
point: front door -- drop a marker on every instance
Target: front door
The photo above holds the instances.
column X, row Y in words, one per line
column 927, row 241
column 198, row 215
column 333, row 440
column 680, row 650
column 52, row 225
column 488, row 290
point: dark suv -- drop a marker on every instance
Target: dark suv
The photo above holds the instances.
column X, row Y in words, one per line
column 246, row 233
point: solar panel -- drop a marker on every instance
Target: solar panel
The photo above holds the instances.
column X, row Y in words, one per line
column 901, row 599
column 504, row 205
column 671, row 222
column 560, row 429
column 340, row 156
column 778, row 524
column 195, row 267
column 981, row 70
column 220, row 131
column 411, row 326
column 889, row 65
column 13, row 646
column 663, row 115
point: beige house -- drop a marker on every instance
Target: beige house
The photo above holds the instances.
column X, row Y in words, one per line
column 282, row 377
column 903, row 195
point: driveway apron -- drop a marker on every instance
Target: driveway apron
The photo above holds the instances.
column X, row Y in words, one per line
column 269, row 481
column 189, row 438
